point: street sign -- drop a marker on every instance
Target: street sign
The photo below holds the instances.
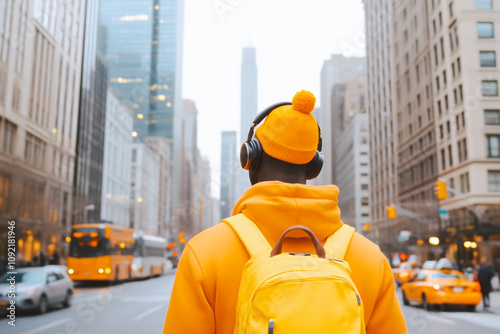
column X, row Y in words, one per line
column 444, row 214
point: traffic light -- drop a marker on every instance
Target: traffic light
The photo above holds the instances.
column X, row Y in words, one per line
column 391, row 212
column 440, row 189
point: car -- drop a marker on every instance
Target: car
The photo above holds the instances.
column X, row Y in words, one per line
column 37, row 288
column 433, row 287
column 430, row 264
column 406, row 271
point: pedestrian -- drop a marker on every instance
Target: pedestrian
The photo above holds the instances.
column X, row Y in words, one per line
column 283, row 154
column 55, row 258
column 42, row 259
column 484, row 276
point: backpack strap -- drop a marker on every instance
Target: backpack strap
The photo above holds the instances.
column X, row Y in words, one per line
column 337, row 243
column 249, row 234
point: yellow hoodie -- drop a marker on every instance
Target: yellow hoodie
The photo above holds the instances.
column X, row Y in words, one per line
column 205, row 291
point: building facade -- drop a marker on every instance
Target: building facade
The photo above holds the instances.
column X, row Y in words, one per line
column 444, row 102
column 117, row 162
column 142, row 42
column 353, row 172
column 229, row 165
column 144, row 190
column 87, row 184
column 40, row 71
column 337, row 70
column 382, row 122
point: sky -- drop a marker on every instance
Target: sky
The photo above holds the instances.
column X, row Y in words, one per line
column 292, row 39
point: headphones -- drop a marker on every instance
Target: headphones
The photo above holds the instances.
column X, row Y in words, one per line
column 251, row 150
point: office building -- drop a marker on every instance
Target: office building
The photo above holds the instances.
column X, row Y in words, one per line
column 41, row 46
column 117, row 162
column 337, row 70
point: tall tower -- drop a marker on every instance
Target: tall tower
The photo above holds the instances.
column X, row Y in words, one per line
column 87, row 190
column 248, row 107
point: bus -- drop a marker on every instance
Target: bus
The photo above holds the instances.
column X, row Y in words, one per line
column 100, row 252
column 150, row 257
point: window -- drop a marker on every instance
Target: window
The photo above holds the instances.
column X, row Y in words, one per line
column 442, row 48
column 459, row 66
column 364, row 201
column 494, row 180
column 463, row 119
column 9, row 136
column 451, row 9
column 490, row 87
column 450, row 155
column 448, row 128
column 487, row 58
column 492, row 117
column 437, row 83
column 444, row 78
column 446, row 103
column 440, row 109
column 485, row 30
column 364, row 187
column 453, row 70
column 464, row 146
column 493, row 145
column 483, row 4
column 457, row 121
column 459, row 144
column 443, row 158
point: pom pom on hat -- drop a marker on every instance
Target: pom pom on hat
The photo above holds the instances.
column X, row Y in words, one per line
column 304, row 101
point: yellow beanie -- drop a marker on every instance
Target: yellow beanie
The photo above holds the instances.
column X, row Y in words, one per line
column 290, row 132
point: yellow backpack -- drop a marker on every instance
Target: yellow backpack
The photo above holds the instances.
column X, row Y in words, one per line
column 288, row 293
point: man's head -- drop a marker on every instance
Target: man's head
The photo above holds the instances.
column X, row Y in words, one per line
column 287, row 143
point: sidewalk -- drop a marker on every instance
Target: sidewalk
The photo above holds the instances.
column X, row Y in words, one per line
column 494, row 304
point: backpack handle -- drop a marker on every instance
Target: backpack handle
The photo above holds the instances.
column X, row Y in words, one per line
column 320, row 250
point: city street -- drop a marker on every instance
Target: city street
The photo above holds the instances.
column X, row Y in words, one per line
column 451, row 321
column 140, row 307
column 132, row 307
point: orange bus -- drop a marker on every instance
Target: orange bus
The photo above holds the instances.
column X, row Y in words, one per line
column 100, row 252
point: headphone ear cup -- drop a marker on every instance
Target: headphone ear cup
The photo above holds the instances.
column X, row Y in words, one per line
column 251, row 155
column 315, row 165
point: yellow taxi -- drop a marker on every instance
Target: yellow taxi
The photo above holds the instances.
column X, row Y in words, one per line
column 441, row 287
column 405, row 272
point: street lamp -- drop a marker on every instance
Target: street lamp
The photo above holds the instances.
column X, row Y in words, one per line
column 434, row 241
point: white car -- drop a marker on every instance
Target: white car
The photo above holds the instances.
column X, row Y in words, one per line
column 37, row 288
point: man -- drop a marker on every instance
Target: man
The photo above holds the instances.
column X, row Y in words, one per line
column 484, row 276
column 205, row 291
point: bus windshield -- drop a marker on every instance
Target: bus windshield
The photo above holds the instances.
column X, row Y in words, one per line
column 88, row 242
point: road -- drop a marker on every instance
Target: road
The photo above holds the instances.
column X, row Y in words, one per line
column 140, row 307
column 132, row 307
column 454, row 320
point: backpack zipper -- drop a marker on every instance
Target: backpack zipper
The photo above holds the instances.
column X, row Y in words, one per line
column 271, row 327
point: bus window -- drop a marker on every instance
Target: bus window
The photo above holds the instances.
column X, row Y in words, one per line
column 88, row 242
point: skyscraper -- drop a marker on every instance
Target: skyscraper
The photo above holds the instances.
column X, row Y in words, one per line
column 248, row 110
column 141, row 41
column 227, row 173
column 87, row 189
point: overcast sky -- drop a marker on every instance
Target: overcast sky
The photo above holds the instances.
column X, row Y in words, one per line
column 292, row 39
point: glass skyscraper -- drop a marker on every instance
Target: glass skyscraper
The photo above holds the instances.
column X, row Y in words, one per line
column 141, row 41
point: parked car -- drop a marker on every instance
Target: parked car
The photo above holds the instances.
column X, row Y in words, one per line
column 441, row 287
column 37, row 288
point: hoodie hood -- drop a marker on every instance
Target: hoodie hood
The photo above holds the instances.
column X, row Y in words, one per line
column 275, row 206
